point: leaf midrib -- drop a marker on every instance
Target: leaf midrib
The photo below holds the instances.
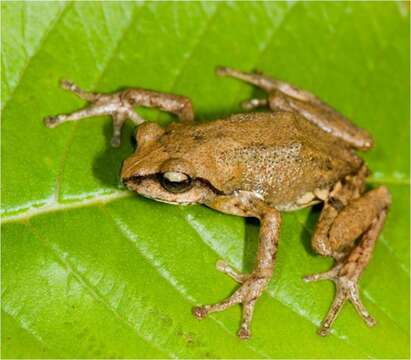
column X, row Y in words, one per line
column 56, row 206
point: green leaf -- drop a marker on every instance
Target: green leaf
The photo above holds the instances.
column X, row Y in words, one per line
column 92, row 271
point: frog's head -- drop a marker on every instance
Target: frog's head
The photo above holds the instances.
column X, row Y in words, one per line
column 154, row 173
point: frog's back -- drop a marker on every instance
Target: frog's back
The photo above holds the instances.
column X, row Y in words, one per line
column 280, row 156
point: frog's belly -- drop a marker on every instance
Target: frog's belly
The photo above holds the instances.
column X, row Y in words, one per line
column 295, row 206
column 292, row 200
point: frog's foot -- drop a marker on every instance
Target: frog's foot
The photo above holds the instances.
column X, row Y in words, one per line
column 120, row 106
column 101, row 104
column 347, row 289
column 247, row 294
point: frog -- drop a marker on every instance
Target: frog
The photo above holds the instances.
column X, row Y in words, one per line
column 296, row 153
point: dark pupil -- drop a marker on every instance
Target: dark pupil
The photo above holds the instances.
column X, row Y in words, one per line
column 174, row 186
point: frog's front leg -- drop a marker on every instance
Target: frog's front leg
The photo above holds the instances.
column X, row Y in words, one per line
column 120, row 106
column 286, row 97
column 252, row 285
column 343, row 221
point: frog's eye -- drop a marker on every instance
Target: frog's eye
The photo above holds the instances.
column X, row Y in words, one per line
column 176, row 182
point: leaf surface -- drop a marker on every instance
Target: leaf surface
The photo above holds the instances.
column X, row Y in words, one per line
column 92, row 271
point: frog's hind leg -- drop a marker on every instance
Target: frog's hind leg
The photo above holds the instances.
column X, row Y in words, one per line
column 259, row 80
column 120, row 106
column 361, row 218
column 267, row 83
column 286, row 97
column 321, row 115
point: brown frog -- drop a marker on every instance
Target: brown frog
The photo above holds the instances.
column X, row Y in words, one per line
column 257, row 165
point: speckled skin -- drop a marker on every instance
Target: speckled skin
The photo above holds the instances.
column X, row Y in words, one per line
column 277, row 156
column 256, row 165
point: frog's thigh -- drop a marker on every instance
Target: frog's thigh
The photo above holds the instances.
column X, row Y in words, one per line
column 321, row 115
column 362, row 218
column 357, row 217
column 341, row 225
column 267, row 83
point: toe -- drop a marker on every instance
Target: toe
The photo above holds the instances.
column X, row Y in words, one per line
column 316, row 277
column 370, row 321
column 244, row 333
column 221, row 265
column 324, row 330
column 328, row 275
column 200, row 312
column 221, row 70
column 115, row 141
column 67, row 85
column 51, row 121
column 227, row 269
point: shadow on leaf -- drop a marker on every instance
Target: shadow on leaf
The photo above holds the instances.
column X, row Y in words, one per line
column 107, row 164
column 307, row 229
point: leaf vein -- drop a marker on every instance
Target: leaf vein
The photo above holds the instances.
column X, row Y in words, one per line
column 159, row 268
column 70, row 140
column 47, row 33
column 23, row 325
column 90, row 288
column 270, row 293
column 196, row 43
